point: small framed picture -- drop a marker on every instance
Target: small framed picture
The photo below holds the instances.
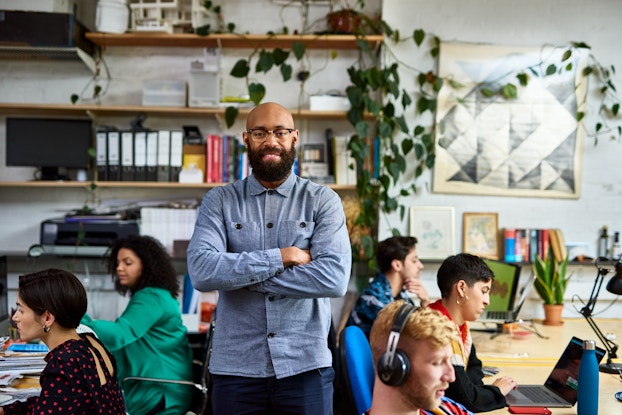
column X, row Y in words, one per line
column 433, row 226
column 480, row 234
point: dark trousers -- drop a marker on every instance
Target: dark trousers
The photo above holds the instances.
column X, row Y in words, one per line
column 309, row 393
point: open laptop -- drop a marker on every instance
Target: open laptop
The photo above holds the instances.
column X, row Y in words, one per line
column 560, row 388
column 502, row 308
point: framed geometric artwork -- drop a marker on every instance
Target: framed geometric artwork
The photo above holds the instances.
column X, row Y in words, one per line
column 525, row 146
column 480, row 234
column 433, row 226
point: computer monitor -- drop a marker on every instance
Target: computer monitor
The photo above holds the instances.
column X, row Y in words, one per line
column 50, row 144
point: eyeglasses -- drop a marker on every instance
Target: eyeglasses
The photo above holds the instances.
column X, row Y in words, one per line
column 260, row 134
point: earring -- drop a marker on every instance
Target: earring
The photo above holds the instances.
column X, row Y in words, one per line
column 46, row 329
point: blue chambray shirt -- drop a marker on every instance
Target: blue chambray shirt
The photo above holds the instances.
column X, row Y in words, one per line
column 271, row 321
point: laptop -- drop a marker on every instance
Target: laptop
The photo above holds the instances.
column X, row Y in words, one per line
column 502, row 308
column 560, row 388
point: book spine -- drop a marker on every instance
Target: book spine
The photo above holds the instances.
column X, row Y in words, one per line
column 510, row 245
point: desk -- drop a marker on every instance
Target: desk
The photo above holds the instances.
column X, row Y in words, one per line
column 530, row 360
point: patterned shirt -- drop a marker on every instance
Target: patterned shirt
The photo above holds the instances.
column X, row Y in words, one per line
column 271, row 320
column 70, row 384
column 449, row 407
column 373, row 299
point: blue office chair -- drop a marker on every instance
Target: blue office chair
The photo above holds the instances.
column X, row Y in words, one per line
column 357, row 367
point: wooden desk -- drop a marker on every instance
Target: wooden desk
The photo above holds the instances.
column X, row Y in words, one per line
column 529, row 360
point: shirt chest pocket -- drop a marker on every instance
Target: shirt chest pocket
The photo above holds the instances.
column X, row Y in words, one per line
column 295, row 233
column 243, row 236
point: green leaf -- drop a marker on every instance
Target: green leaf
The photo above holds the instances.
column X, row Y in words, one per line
column 509, row 91
column 580, row 115
column 401, row 123
column 418, row 36
column 407, row 145
column 286, row 72
column 566, row 55
column 551, row 69
column 240, row 69
column 523, row 78
column 231, row 113
column 256, row 91
column 265, row 62
column 419, row 129
column 279, row 56
column 488, row 92
column 74, row 98
column 299, row 49
column 615, row 108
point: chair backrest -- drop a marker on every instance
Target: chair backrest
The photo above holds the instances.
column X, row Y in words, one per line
column 357, row 367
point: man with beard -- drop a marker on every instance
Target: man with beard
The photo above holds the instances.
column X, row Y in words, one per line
column 276, row 248
column 413, row 364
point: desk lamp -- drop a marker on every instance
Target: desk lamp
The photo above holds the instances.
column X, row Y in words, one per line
column 614, row 286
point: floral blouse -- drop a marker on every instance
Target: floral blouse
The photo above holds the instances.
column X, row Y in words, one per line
column 71, row 384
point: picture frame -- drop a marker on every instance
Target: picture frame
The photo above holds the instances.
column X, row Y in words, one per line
column 433, row 226
column 480, row 234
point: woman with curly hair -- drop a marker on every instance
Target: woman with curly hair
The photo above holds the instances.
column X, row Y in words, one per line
column 148, row 339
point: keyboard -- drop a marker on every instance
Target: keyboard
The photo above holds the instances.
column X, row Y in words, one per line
column 536, row 393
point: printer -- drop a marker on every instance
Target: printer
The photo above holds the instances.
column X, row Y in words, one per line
column 84, row 236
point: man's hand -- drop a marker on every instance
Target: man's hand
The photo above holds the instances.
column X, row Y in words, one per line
column 414, row 285
column 295, row 256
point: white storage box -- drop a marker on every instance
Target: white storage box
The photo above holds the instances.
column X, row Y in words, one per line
column 164, row 93
column 329, row 103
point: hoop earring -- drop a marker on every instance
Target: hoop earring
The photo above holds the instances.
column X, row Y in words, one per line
column 46, row 329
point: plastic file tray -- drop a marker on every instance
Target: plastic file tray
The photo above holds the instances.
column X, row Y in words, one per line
column 28, row 347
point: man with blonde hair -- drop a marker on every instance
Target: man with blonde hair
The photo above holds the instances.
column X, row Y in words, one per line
column 412, row 350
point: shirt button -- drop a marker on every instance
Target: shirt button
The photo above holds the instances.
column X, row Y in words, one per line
column 271, row 298
column 271, row 335
column 270, row 192
column 238, row 226
column 270, row 225
column 303, row 225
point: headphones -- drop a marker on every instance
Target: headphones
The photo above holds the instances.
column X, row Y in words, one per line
column 394, row 366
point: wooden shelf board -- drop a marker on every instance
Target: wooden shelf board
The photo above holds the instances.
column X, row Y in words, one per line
column 132, row 110
column 152, row 185
column 227, row 40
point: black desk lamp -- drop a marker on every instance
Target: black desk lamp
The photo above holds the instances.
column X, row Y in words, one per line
column 614, row 286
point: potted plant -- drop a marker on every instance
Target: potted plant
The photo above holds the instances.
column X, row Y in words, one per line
column 551, row 282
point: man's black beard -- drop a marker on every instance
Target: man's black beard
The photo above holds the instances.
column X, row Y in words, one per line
column 272, row 171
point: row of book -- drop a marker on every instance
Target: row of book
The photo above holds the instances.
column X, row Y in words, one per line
column 523, row 245
column 161, row 155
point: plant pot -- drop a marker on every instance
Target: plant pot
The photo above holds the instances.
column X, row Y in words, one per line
column 344, row 21
column 553, row 314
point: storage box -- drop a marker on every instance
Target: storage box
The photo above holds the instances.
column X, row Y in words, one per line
column 329, row 103
column 164, row 93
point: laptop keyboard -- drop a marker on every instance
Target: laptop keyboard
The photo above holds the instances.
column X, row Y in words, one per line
column 535, row 394
column 496, row 315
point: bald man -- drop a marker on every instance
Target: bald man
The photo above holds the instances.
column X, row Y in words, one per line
column 276, row 248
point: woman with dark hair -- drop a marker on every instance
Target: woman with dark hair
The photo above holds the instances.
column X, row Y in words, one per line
column 80, row 374
column 465, row 281
column 148, row 339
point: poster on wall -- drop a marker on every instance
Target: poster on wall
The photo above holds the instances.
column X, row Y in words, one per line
column 433, row 226
column 528, row 146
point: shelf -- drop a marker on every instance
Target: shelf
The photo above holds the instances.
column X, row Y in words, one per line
column 132, row 110
column 152, row 185
column 238, row 41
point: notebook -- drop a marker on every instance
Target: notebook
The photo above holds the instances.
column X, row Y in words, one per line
column 560, row 388
column 504, row 292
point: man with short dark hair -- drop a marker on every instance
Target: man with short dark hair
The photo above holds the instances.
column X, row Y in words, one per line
column 400, row 269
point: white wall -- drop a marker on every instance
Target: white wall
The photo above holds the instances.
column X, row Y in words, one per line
column 529, row 22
